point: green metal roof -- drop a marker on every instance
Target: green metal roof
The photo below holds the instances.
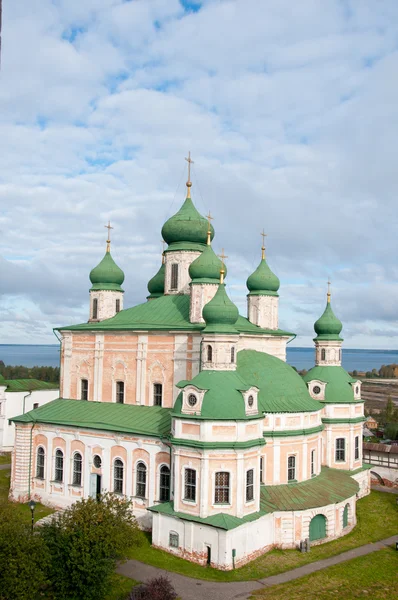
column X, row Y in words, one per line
column 263, row 281
column 107, row 275
column 156, row 284
column 152, row 421
column 329, row 487
column 27, row 385
column 206, row 266
column 328, row 326
column 170, row 312
column 338, row 388
column 220, row 313
column 281, row 387
column 187, row 225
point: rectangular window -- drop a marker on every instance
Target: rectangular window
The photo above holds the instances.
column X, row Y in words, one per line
column 174, row 277
column 312, row 462
column 356, row 447
column 190, row 485
column 221, row 495
column 173, row 539
column 261, row 469
column 77, row 469
column 120, row 392
column 249, row 485
column 340, row 450
column 40, row 463
column 291, row 468
column 95, row 308
column 84, row 389
column 35, row 405
column 59, row 466
column 140, row 490
column 157, row 394
column 117, row 305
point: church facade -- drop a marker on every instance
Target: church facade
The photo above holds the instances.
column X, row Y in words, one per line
column 190, row 410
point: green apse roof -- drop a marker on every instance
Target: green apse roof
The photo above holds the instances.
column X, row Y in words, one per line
column 223, row 398
column 263, row 281
column 339, row 383
column 107, row 275
column 328, row 326
column 107, row 416
column 156, row 284
column 27, row 385
column 281, row 387
column 220, row 314
column 187, row 225
column 206, row 266
column 167, row 313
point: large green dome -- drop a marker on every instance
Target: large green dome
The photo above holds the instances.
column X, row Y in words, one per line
column 263, row 280
column 328, row 326
column 156, row 284
column 187, row 225
column 107, row 275
column 206, row 266
column 220, row 313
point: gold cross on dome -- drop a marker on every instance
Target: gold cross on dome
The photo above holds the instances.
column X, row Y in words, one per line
column 222, row 270
column 209, row 217
column 263, row 235
column 222, row 256
column 209, row 220
column 108, row 241
column 329, row 284
column 190, row 162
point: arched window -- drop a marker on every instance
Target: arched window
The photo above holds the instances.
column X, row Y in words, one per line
column 40, row 461
column 157, row 394
column 59, row 466
column 190, row 485
column 118, row 476
column 120, row 392
column 95, row 308
column 232, row 354
column 209, row 353
column 323, row 354
column 345, row 515
column 291, row 468
column 221, row 495
column 118, row 305
column 140, row 488
column 340, row 449
column 312, row 462
column 164, row 484
column 77, row 469
column 84, row 389
column 174, row 277
column 173, row 539
column 249, row 485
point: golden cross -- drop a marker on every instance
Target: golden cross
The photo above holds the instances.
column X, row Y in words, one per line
column 108, row 241
column 209, row 217
column 222, row 256
column 222, row 271
column 263, row 235
column 329, row 284
column 189, row 161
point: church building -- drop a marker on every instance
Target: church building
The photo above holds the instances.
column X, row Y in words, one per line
column 190, row 409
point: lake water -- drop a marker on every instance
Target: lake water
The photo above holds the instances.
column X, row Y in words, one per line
column 301, row 358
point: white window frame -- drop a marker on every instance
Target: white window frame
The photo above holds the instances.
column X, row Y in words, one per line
column 136, row 482
column 158, row 479
column 254, row 486
column 122, row 493
column 81, row 388
column 73, row 469
column 116, row 391
column 55, row 465
column 339, row 460
column 41, row 447
column 313, row 462
column 357, row 447
column 153, row 393
column 294, row 480
column 228, row 472
column 187, row 500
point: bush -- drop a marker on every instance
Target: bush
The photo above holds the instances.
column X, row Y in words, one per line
column 23, row 557
column 84, row 544
column 159, row 588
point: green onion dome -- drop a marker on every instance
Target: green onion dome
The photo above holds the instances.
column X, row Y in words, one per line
column 156, row 284
column 263, row 281
column 206, row 266
column 220, row 314
column 107, row 275
column 187, row 225
column 328, row 326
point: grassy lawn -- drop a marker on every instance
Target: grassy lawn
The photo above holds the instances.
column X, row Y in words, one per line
column 23, row 509
column 377, row 519
column 121, row 587
column 373, row 576
column 5, row 459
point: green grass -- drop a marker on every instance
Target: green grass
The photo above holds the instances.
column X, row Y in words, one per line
column 376, row 516
column 373, row 576
column 23, row 509
column 5, row 459
column 121, row 587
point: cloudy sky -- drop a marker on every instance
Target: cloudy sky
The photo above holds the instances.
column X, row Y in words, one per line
column 288, row 108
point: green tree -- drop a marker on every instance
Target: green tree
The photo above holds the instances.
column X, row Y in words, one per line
column 23, row 557
column 389, row 409
column 85, row 542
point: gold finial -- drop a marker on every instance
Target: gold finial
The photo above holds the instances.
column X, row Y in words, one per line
column 263, row 235
column 209, row 219
column 189, row 182
column 108, row 241
column 163, row 245
column 222, row 270
column 329, row 294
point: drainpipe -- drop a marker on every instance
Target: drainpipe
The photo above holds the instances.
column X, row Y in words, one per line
column 30, row 458
column 167, row 443
column 24, row 398
column 293, row 338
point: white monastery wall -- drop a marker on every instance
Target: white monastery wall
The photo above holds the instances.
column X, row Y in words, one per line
column 106, row 307
column 183, row 259
column 201, row 294
column 274, row 345
column 263, row 311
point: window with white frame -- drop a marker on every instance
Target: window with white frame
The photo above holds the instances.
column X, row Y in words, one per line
column 291, row 468
column 221, row 490
column 174, row 277
column 164, row 484
column 190, row 485
column 356, row 447
column 77, row 469
column 118, row 476
column 118, row 305
column 84, row 389
column 340, row 449
column 95, row 308
column 312, row 462
column 59, row 466
column 323, row 354
column 40, row 462
column 157, row 394
column 232, row 354
column 140, row 486
column 209, row 350
column 120, row 392
column 173, row 539
column 261, row 469
column 249, row 485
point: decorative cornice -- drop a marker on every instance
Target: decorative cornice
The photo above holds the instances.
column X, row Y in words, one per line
column 344, row 420
column 217, row 445
column 293, row 433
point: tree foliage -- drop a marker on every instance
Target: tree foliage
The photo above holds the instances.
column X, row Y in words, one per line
column 84, row 543
column 23, row 557
column 159, row 588
column 50, row 374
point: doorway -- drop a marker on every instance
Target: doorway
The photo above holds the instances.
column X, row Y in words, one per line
column 208, row 561
column 95, row 485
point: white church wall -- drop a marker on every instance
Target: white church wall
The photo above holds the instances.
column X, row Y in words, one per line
column 263, row 311
column 183, row 259
column 271, row 344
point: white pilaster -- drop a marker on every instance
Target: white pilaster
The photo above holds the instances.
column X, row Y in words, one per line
column 142, row 352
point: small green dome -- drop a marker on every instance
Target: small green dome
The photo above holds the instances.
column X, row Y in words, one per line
column 220, row 313
column 187, row 225
column 328, row 326
column 156, row 284
column 107, row 275
column 206, row 266
column 263, row 280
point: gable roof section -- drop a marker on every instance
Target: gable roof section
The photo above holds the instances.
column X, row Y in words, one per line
column 152, row 421
column 338, row 388
column 170, row 312
column 28, row 385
